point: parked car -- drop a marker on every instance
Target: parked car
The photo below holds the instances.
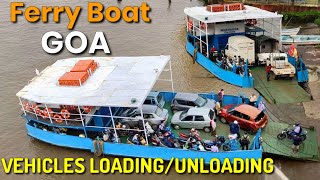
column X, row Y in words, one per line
column 155, row 98
column 155, row 115
column 198, row 118
column 249, row 118
column 185, row 101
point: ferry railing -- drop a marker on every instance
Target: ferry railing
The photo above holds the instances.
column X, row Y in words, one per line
column 82, row 119
column 205, row 32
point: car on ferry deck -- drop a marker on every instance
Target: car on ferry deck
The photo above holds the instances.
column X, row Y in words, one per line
column 155, row 115
column 249, row 118
column 155, row 98
column 185, row 101
column 198, row 118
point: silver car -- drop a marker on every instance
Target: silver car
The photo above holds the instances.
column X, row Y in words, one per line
column 198, row 118
column 185, row 101
column 154, row 115
column 155, row 98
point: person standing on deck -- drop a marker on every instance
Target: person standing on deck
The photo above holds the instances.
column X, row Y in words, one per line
column 252, row 99
column 220, row 96
column 268, row 71
column 217, row 108
column 235, row 128
column 261, row 106
column 213, row 126
column 296, row 143
column 245, row 141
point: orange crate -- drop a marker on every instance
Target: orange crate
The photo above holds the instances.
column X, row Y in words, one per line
column 215, row 8
column 73, row 78
column 82, row 66
column 94, row 67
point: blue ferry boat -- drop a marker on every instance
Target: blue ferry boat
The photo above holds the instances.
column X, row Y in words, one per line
column 78, row 114
column 210, row 32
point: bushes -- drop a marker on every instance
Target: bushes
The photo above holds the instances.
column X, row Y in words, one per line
column 317, row 22
column 301, row 17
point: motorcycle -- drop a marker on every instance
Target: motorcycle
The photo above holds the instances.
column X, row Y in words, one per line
column 207, row 143
column 196, row 136
column 288, row 132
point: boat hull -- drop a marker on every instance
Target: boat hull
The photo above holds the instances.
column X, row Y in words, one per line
column 225, row 75
column 129, row 150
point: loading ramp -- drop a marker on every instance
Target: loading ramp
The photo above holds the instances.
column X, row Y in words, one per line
column 281, row 91
column 272, row 146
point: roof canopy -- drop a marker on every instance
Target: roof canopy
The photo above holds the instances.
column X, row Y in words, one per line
column 201, row 13
column 115, row 82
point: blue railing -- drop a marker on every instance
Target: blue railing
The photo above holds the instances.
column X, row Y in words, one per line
column 301, row 69
column 245, row 81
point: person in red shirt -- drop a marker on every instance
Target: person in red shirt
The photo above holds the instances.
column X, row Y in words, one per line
column 268, row 71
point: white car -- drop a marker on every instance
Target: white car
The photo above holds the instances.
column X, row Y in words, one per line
column 198, row 118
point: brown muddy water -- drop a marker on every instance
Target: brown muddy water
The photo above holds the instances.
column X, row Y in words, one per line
column 21, row 53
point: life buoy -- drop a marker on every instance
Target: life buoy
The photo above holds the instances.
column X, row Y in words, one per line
column 190, row 25
column 203, row 25
column 65, row 114
column 37, row 110
column 87, row 109
column 45, row 113
column 27, row 106
column 57, row 118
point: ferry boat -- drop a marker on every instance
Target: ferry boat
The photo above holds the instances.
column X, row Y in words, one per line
column 210, row 31
column 74, row 102
column 301, row 39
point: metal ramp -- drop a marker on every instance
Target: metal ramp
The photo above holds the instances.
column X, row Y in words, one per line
column 281, row 91
column 272, row 146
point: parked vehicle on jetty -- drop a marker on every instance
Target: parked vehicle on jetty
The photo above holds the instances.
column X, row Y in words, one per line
column 280, row 65
column 85, row 105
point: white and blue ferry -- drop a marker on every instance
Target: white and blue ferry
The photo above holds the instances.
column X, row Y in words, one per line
column 210, row 30
column 74, row 116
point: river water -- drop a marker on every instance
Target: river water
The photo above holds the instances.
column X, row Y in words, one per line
column 21, row 53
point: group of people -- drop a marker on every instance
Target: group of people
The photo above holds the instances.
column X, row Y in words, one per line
column 235, row 64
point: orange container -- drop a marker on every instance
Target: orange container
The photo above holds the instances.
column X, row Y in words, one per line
column 73, row 78
column 226, row 7
column 82, row 66
column 215, row 8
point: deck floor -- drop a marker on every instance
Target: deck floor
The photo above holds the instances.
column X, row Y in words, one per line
column 279, row 91
column 271, row 145
column 308, row 149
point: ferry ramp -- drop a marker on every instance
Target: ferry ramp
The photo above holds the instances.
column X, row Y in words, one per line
column 281, row 91
column 272, row 146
